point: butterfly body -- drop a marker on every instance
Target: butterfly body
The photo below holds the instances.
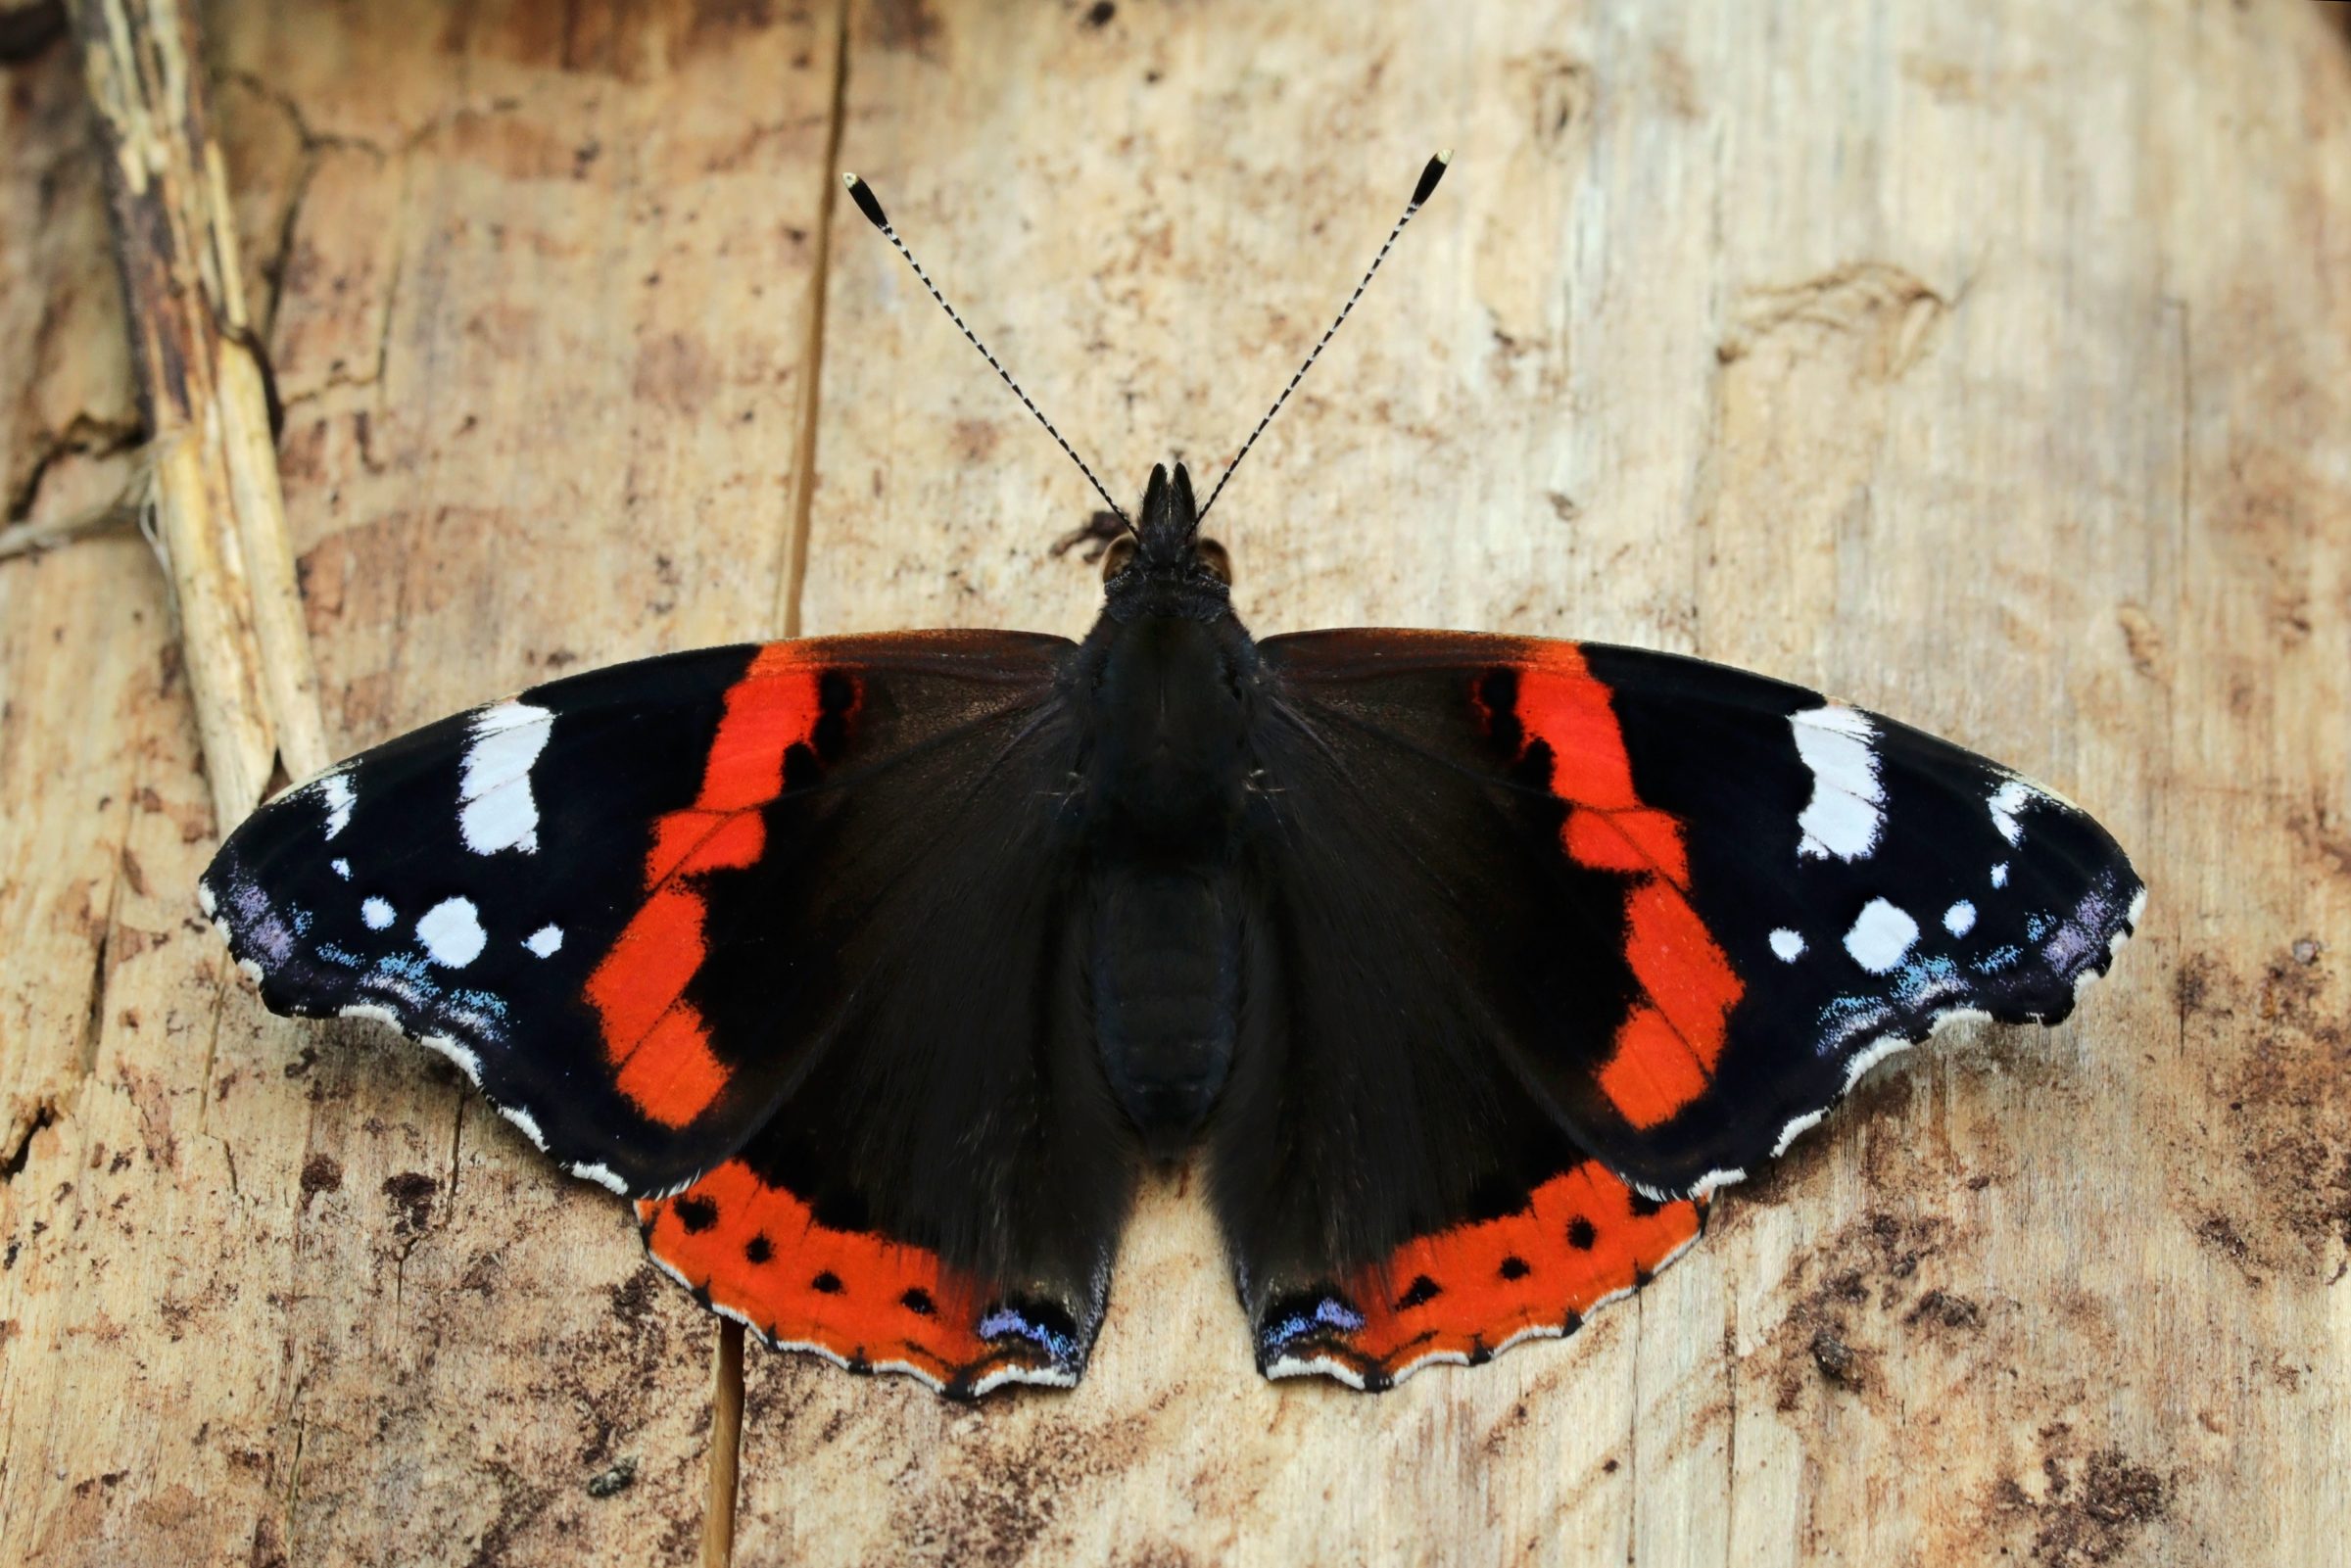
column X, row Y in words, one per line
column 1166, row 683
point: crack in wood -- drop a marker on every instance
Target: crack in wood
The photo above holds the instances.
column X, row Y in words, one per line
column 19, row 1150
column 85, row 434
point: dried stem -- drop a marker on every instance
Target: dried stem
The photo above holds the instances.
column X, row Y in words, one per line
column 217, row 510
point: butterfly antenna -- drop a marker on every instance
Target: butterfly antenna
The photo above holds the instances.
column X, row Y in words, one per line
column 1433, row 173
column 863, row 194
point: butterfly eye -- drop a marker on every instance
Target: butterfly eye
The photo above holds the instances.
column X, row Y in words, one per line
column 1115, row 559
column 1215, row 559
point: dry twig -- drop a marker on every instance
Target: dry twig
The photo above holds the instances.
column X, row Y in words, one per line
column 216, row 505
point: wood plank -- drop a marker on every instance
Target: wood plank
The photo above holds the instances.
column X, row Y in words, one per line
column 124, row 1426
column 1903, row 349
column 537, row 295
column 66, row 422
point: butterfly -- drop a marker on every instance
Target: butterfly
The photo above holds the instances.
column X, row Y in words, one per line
column 877, row 970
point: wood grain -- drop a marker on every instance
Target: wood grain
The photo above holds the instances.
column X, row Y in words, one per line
column 1989, row 365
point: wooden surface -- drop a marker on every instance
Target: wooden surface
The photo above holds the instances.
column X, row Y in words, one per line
column 1989, row 365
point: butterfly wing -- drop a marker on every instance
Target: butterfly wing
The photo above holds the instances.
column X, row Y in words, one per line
column 767, row 938
column 1565, row 936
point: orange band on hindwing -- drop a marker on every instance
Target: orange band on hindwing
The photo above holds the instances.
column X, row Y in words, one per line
column 1583, row 1238
column 656, row 1040
column 1665, row 1050
column 1464, row 1293
column 759, row 1253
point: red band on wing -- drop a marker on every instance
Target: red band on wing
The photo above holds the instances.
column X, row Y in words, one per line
column 1466, row 1293
column 759, row 1253
column 1665, row 1049
column 656, row 1039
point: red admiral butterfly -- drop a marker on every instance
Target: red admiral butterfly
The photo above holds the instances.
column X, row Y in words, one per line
column 874, row 969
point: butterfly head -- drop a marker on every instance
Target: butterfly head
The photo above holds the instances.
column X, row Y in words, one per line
column 1165, row 567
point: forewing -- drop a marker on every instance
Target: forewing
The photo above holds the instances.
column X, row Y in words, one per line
column 1662, row 908
column 772, row 925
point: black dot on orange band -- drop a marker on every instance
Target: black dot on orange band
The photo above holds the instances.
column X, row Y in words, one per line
column 759, row 1249
column 918, row 1302
column 1515, row 1268
column 1580, row 1234
column 1420, row 1293
column 696, row 1214
column 1642, row 1204
column 828, row 1283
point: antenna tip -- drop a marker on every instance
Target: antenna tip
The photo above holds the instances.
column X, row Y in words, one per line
column 863, row 194
column 1429, row 176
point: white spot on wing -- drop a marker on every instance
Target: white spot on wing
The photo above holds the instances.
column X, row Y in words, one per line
column 1881, row 935
column 342, row 869
column 335, row 789
column 1843, row 816
column 1960, row 919
column 1788, row 945
column 452, row 933
column 2006, row 801
column 2000, row 875
column 545, row 941
column 496, row 810
column 376, row 913
column 206, row 901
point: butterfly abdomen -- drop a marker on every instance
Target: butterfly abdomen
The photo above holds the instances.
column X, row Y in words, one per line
column 1167, row 987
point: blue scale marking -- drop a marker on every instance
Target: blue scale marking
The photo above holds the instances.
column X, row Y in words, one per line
column 1329, row 1312
column 1004, row 1320
column 486, row 1002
